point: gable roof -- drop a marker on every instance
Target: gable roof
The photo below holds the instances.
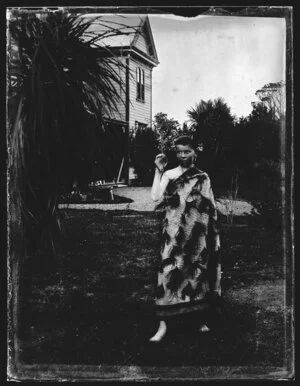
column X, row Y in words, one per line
column 132, row 26
column 145, row 30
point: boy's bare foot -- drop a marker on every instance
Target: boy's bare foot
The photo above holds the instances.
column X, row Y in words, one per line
column 161, row 332
column 204, row 328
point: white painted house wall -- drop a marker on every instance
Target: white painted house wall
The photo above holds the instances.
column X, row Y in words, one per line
column 140, row 111
column 120, row 112
column 141, row 44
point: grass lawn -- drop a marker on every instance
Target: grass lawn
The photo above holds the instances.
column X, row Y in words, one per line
column 98, row 307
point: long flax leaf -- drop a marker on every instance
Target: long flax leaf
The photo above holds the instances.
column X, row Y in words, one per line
column 68, row 83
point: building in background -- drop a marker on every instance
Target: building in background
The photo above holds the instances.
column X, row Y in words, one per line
column 136, row 49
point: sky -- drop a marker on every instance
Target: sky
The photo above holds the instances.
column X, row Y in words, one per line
column 207, row 57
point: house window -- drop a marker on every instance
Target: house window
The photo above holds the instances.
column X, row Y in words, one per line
column 140, row 84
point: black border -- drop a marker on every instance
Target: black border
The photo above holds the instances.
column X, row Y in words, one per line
column 108, row 373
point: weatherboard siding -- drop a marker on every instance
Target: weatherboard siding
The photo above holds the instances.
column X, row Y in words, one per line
column 120, row 112
column 139, row 111
column 141, row 44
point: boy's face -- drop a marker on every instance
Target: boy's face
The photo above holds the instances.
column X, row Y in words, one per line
column 185, row 155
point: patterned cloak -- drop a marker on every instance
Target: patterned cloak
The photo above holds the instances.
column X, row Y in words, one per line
column 190, row 266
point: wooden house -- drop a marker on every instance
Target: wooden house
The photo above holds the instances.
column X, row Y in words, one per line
column 136, row 49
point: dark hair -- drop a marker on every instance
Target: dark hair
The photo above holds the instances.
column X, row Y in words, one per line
column 185, row 141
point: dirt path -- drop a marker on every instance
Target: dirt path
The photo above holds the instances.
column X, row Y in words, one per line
column 143, row 203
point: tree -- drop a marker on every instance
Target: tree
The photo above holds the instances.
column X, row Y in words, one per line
column 272, row 95
column 61, row 82
column 264, row 133
column 144, row 147
column 186, row 130
column 258, row 136
column 166, row 130
column 212, row 125
column 209, row 121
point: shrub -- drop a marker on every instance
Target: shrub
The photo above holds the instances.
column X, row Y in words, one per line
column 142, row 154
